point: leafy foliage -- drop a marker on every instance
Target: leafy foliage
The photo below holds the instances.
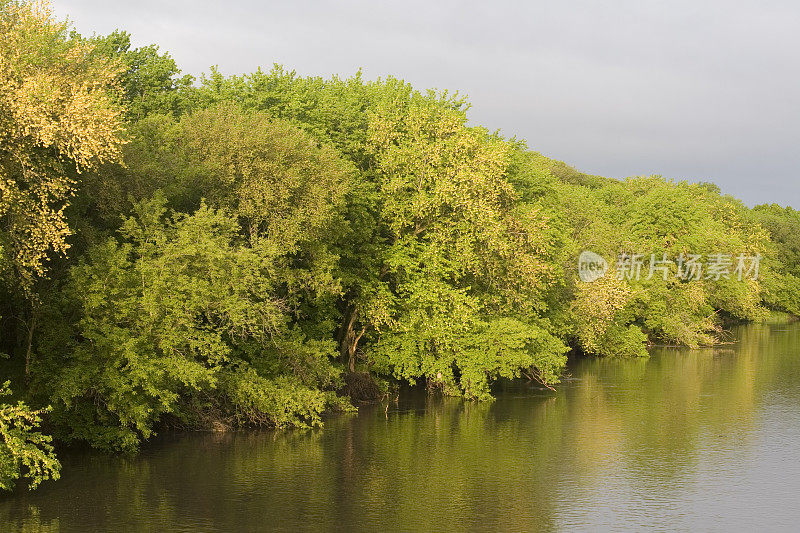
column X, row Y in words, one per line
column 264, row 234
column 162, row 313
column 58, row 116
column 24, row 451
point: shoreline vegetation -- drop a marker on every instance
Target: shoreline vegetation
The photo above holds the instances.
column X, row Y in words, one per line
column 258, row 250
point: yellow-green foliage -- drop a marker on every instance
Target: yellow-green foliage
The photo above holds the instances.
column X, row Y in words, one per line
column 181, row 299
column 24, row 451
column 265, row 233
column 58, row 116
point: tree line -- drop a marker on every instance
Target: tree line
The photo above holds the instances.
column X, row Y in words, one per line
column 258, row 250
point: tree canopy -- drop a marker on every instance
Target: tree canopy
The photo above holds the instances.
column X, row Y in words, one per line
column 262, row 249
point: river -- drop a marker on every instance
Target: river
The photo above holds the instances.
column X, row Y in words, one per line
column 688, row 439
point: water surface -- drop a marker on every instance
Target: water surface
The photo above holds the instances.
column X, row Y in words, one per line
column 688, row 439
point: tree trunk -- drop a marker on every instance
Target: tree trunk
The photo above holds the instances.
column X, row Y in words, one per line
column 348, row 343
column 31, row 328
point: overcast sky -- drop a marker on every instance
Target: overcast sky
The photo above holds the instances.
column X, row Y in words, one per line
column 705, row 91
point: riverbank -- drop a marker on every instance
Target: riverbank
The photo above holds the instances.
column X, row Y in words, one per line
column 621, row 444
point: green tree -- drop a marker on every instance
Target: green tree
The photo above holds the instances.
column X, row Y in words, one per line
column 463, row 269
column 151, row 81
column 433, row 234
column 782, row 280
column 24, row 451
column 59, row 117
column 183, row 310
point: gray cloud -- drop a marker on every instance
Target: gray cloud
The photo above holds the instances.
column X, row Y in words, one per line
column 701, row 91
